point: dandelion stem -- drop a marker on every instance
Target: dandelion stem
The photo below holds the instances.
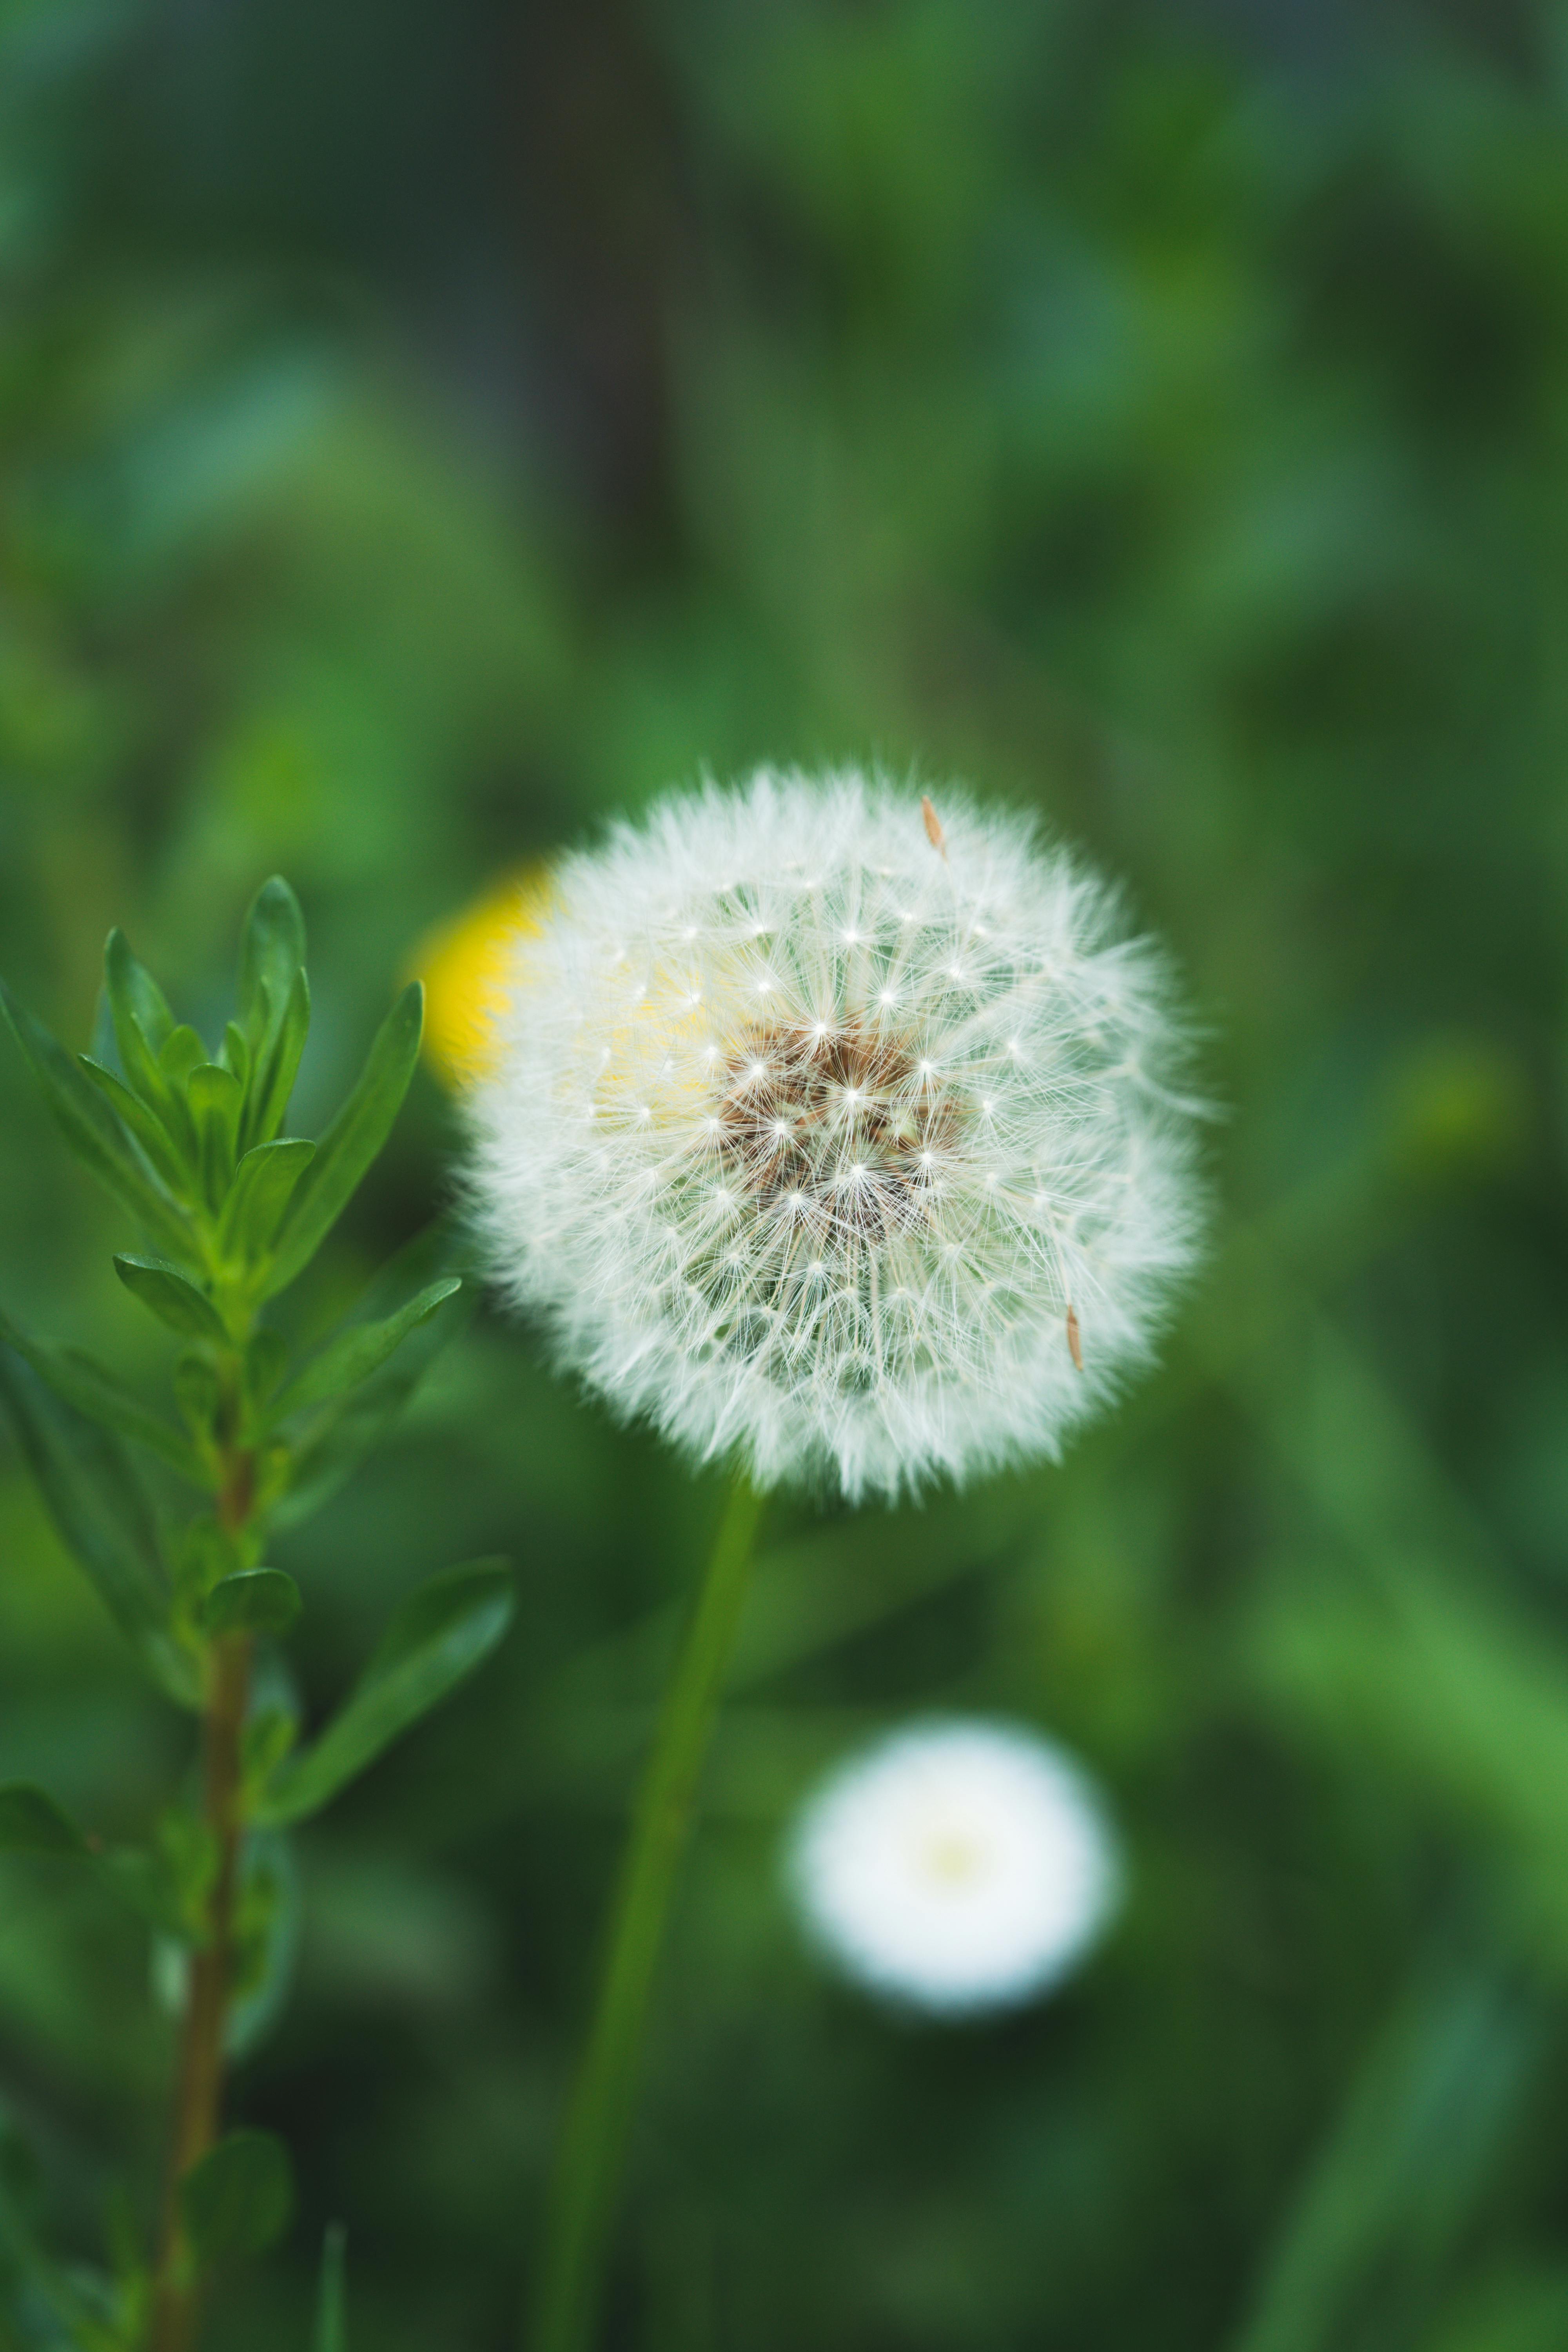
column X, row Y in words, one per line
column 593, row 2144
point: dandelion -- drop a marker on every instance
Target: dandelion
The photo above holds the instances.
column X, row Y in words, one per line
column 957, row 1866
column 838, row 1137
column 838, row 1134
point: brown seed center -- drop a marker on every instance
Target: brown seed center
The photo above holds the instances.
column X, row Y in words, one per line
column 839, row 1128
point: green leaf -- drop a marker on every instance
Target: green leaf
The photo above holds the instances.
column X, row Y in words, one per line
column 252, row 1601
column 266, row 1361
column 171, row 1165
column 95, row 1390
column 263, row 1187
column 269, row 1734
column 66, row 2297
column 354, row 1138
column 271, row 954
column 143, row 1021
column 274, row 1006
column 181, row 1053
column 331, row 2309
column 216, row 1100
column 268, row 1920
column 276, row 1067
column 358, row 1352
column 235, row 1053
column 344, row 1433
column 143, row 1883
column 169, row 1883
column 145, row 1033
column 237, row 2200
column 103, row 1516
column 198, row 1393
column 175, row 1301
column 97, row 1137
column 441, row 1633
column 31, row 1822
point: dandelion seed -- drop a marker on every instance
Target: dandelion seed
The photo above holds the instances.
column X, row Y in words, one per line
column 957, row 1866
column 951, row 1098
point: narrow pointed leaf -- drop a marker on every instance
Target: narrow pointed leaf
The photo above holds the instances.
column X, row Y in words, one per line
column 198, row 1393
column 272, row 952
column 346, row 1430
column 94, row 1391
column 101, row 1039
column 145, row 1125
column 175, row 1301
column 354, row 1137
column 266, row 1361
column 27, row 2272
column 276, row 1066
column 143, row 1021
column 141, row 1879
column 103, row 1514
column 237, row 2200
column 97, row 1137
column 252, row 1601
column 439, row 1635
column 215, row 1100
column 270, row 1919
column 235, row 1054
column 358, row 1352
column 258, row 1198
column 143, row 1026
column 31, row 1822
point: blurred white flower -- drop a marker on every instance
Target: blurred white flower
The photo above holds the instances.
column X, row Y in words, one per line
column 835, row 1139
column 956, row 1866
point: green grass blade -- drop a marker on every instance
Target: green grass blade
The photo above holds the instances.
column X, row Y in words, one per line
column 1415, row 2143
column 331, row 2305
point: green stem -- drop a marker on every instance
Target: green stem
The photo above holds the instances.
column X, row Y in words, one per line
column 198, row 2098
column 593, row 2145
column 199, row 2095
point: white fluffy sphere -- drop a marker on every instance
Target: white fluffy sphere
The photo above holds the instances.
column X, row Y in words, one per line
column 956, row 1866
column 834, row 1142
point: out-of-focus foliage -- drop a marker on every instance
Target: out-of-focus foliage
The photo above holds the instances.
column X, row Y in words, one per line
column 422, row 432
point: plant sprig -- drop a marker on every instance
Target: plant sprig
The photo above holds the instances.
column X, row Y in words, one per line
column 231, row 1210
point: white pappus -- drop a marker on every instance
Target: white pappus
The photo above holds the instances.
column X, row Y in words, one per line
column 956, row 1866
column 834, row 1140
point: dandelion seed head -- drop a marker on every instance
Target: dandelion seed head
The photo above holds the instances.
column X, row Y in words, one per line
column 881, row 1131
column 956, row 1866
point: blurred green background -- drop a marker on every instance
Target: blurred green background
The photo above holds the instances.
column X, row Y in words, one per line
column 423, row 431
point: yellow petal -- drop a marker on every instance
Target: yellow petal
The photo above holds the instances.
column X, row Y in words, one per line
column 464, row 964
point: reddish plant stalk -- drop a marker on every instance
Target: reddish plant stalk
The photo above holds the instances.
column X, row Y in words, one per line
column 198, row 2100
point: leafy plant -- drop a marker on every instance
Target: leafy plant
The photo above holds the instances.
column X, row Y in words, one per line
column 231, row 1210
